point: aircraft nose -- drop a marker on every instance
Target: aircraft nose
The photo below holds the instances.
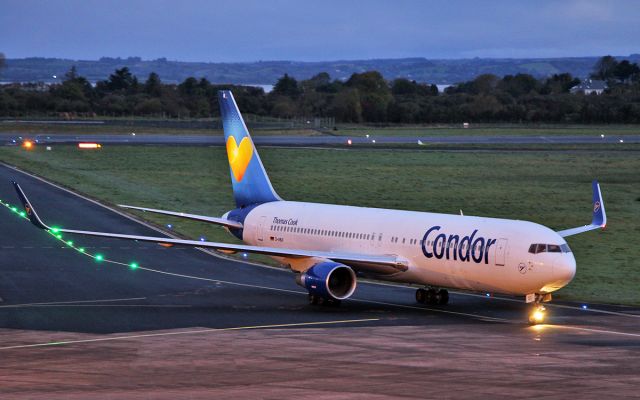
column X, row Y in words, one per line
column 564, row 268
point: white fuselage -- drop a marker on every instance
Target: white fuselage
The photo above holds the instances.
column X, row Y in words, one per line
column 472, row 253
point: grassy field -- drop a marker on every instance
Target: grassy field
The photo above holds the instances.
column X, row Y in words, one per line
column 552, row 188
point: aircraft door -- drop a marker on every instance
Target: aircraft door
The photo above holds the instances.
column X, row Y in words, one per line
column 500, row 251
column 261, row 227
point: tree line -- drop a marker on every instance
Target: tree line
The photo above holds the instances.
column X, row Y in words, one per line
column 363, row 98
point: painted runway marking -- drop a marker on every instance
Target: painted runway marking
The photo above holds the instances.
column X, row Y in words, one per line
column 192, row 332
column 578, row 328
column 54, row 303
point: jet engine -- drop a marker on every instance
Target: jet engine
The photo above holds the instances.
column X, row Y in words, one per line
column 328, row 280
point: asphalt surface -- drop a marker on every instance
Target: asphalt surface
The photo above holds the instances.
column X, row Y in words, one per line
column 319, row 140
column 188, row 324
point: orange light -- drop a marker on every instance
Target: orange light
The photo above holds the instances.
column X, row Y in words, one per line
column 27, row 144
column 166, row 244
column 89, row 145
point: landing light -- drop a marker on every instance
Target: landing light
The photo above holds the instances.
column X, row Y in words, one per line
column 89, row 145
column 537, row 316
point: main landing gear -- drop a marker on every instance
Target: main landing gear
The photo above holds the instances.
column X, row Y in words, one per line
column 432, row 296
column 316, row 300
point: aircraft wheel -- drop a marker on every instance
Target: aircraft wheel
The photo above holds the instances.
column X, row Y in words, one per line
column 421, row 296
column 442, row 297
column 432, row 297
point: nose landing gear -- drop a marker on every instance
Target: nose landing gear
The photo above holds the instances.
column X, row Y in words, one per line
column 538, row 311
column 537, row 314
column 432, row 296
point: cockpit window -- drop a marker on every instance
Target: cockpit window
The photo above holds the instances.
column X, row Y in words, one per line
column 551, row 248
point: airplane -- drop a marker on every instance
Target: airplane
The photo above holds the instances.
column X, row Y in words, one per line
column 329, row 247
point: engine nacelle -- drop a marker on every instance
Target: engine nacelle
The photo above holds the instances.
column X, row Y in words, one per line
column 329, row 280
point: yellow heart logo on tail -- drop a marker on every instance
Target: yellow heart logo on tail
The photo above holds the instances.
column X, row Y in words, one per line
column 239, row 156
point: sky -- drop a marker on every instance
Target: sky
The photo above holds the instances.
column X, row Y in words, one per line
column 253, row 30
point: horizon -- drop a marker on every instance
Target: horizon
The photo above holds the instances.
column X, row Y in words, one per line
column 124, row 58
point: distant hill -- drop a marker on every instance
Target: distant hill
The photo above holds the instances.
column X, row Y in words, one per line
column 267, row 72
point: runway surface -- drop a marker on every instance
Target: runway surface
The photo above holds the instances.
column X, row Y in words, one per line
column 186, row 324
column 320, row 140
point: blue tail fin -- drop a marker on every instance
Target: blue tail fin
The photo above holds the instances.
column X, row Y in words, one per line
column 250, row 182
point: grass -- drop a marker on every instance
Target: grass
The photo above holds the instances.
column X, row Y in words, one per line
column 549, row 187
column 25, row 129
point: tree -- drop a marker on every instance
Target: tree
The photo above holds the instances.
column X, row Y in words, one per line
column 286, row 86
column 559, row 83
column 604, row 68
column 375, row 95
column 2, row 61
column 153, row 85
column 122, row 80
column 72, row 74
column 624, row 71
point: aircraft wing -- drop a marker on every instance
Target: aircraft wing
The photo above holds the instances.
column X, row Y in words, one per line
column 204, row 218
column 377, row 264
column 599, row 218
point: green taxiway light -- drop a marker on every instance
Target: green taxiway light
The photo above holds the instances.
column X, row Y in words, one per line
column 81, row 249
column 133, row 265
column 55, row 230
column 70, row 243
column 99, row 257
column 59, row 236
column 23, row 214
column 14, row 209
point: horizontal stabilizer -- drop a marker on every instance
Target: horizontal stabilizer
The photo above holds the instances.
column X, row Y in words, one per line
column 203, row 218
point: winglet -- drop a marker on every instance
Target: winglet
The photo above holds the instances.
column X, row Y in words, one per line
column 599, row 218
column 599, row 215
column 28, row 208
